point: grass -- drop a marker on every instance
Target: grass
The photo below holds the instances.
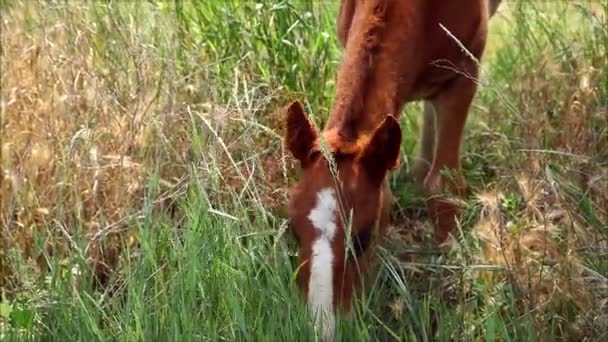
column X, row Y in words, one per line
column 144, row 178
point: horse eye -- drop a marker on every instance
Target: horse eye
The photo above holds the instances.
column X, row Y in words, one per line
column 293, row 231
column 362, row 240
column 314, row 155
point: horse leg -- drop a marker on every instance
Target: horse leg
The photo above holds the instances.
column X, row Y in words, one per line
column 452, row 106
column 427, row 143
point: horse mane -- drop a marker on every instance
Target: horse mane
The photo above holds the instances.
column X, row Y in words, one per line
column 341, row 147
column 360, row 59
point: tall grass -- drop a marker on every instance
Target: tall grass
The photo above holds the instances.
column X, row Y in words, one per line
column 144, row 178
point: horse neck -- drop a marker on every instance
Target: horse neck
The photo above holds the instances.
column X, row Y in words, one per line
column 368, row 85
column 358, row 112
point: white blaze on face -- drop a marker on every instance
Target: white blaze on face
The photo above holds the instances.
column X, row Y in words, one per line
column 320, row 286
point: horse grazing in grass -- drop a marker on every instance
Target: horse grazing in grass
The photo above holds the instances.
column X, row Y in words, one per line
column 395, row 52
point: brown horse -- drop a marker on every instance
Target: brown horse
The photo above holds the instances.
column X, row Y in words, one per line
column 395, row 52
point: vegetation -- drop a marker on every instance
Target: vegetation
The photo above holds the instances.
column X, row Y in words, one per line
column 144, row 178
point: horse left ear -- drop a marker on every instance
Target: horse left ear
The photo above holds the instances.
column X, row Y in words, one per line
column 301, row 135
column 382, row 152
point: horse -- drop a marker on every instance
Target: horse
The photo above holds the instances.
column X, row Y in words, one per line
column 395, row 52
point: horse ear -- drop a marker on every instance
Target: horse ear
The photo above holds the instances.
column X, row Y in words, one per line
column 382, row 152
column 301, row 135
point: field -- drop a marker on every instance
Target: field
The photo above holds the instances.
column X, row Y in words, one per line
column 144, row 178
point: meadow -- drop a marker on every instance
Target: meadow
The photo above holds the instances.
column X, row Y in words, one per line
column 144, row 178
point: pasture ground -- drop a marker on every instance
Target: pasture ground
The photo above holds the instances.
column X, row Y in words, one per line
column 144, row 178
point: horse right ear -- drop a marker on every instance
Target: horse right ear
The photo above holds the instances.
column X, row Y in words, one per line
column 382, row 151
column 301, row 135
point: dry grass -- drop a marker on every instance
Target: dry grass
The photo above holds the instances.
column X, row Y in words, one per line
column 538, row 248
column 532, row 220
column 78, row 151
column 72, row 152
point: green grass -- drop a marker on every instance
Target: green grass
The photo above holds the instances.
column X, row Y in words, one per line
column 194, row 233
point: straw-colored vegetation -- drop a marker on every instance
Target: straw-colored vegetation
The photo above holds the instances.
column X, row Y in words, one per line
column 144, row 178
